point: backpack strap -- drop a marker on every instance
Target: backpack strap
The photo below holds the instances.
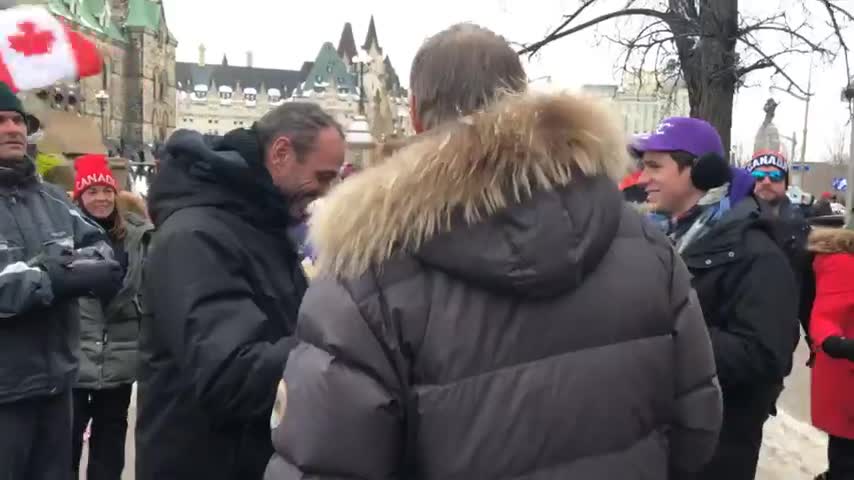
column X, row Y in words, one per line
column 389, row 336
column 397, row 357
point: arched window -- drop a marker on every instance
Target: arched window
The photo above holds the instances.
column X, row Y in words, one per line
column 164, row 84
column 156, row 84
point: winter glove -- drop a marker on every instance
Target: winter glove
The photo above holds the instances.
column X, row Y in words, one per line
column 839, row 348
column 75, row 276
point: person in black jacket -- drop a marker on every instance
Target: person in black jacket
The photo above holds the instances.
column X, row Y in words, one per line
column 49, row 256
column 770, row 171
column 221, row 290
column 745, row 283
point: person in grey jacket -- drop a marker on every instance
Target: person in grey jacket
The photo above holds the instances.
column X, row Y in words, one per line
column 109, row 331
column 487, row 305
column 49, row 256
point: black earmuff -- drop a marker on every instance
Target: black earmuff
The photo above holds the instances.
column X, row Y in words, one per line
column 710, row 171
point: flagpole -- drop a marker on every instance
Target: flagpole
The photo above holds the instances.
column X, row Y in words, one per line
column 848, row 95
column 806, row 120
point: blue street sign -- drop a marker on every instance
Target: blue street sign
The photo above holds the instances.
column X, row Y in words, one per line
column 839, row 183
column 805, row 168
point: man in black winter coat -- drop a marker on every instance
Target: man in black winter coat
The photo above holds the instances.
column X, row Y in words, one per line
column 49, row 256
column 770, row 172
column 746, row 286
column 222, row 288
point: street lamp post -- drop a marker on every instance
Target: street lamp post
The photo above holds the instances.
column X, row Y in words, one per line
column 103, row 97
column 359, row 141
column 360, row 61
column 806, row 99
column 848, row 96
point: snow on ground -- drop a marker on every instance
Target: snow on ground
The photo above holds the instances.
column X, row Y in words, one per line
column 791, row 450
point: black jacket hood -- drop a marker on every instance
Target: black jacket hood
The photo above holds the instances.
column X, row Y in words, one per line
column 226, row 173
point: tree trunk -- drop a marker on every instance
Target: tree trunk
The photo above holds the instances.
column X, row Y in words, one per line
column 715, row 107
column 709, row 64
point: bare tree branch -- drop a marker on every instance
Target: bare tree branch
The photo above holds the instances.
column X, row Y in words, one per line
column 832, row 10
column 767, row 21
column 534, row 47
column 791, row 93
column 788, row 31
column 570, row 18
column 716, row 46
column 767, row 62
column 750, row 42
column 831, row 6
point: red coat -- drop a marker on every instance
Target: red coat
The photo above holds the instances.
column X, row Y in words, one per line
column 833, row 314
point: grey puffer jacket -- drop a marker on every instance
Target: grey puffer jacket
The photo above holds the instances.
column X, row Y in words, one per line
column 489, row 308
column 109, row 334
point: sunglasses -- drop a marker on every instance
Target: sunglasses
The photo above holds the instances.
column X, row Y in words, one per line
column 775, row 176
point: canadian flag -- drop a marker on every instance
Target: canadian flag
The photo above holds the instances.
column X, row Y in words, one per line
column 36, row 49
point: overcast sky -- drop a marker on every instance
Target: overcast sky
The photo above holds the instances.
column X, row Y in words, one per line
column 284, row 34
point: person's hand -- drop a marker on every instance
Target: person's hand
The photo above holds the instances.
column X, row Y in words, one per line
column 75, row 276
column 811, row 359
column 103, row 278
column 838, row 347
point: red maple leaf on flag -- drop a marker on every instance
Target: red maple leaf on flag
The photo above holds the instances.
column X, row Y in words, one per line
column 31, row 41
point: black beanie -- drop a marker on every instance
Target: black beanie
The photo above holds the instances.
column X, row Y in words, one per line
column 9, row 102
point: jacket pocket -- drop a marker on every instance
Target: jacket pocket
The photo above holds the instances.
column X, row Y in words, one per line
column 23, row 361
column 10, row 253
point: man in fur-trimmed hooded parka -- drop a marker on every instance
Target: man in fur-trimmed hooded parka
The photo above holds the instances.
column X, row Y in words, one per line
column 488, row 307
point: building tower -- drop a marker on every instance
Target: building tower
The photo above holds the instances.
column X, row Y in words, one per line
column 149, row 74
column 347, row 45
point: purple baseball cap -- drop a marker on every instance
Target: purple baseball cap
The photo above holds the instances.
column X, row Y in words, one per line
column 691, row 135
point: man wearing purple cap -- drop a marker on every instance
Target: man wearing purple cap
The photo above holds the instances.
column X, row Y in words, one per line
column 746, row 287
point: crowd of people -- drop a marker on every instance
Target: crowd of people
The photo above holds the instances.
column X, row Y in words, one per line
column 496, row 299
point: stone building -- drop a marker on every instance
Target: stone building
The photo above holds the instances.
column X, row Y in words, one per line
column 133, row 100
column 643, row 103
column 217, row 98
column 214, row 99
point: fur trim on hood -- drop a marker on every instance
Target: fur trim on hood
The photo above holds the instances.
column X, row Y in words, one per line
column 131, row 202
column 469, row 168
column 831, row 240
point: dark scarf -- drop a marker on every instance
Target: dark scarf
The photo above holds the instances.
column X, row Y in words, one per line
column 17, row 172
column 271, row 205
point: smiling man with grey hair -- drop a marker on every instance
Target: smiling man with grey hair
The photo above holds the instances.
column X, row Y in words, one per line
column 222, row 287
